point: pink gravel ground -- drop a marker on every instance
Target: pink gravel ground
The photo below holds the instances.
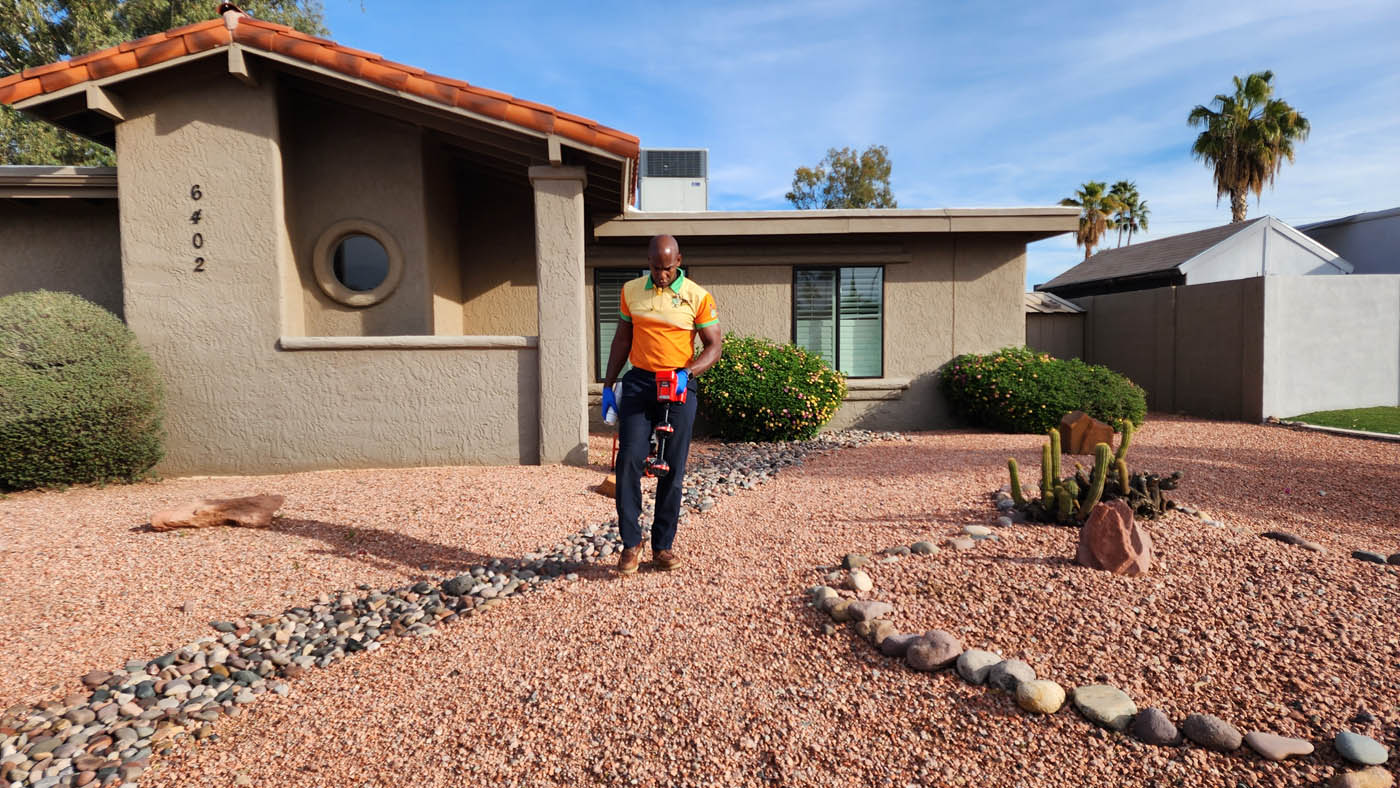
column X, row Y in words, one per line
column 719, row 673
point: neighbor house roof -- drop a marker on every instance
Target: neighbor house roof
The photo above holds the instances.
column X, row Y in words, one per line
column 237, row 28
column 1165, row 254
column 1353, row 219
column 1051, row 304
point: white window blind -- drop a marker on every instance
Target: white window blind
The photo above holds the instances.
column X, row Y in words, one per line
column 839, row 314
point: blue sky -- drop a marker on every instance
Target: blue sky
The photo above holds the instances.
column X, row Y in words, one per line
column 980, row 104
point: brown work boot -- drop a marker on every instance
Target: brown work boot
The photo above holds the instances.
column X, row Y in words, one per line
column 666, row 559
column 630, row 559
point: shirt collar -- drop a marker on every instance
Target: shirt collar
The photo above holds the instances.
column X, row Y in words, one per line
column 676, row 285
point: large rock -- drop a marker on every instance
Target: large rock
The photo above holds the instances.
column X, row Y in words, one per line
column 1105, row 706
column 1040, row 696
column 253, row 511
column 1111, row 541
column 898, row 645
column 1080, row 433
column 934, row 651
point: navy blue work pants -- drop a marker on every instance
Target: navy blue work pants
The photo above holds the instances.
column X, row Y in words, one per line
column 638, row 415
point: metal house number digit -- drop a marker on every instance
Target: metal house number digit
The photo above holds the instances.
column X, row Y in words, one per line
column 195, row 193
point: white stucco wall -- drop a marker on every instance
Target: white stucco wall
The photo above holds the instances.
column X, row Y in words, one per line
column 1330, row 343
column 1267, row 248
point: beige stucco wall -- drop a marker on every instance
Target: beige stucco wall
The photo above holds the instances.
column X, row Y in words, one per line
column 444, row 263
column 343, row 163
column 497, row 251
column 958, row 294
column 70, row 245
column 235, row 402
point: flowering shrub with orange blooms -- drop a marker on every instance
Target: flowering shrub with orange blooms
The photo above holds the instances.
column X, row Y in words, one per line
column 763, row 391
column 1017, row 389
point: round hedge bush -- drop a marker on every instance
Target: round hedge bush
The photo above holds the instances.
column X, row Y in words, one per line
column 1019, row 390
column 80, row 401
column 760, row 390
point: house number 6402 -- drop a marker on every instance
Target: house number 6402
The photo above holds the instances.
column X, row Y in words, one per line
column 197, row 240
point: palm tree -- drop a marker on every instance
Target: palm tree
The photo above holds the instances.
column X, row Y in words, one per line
column 1096, row 214
column 1131, row 214
column 1247, row 138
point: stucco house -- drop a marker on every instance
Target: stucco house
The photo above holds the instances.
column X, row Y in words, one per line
column 1369, row 241
column 1245, row 321
column 341, row 261
column 1259, row 247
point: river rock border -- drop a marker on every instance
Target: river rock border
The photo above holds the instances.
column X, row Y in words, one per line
column 1106, row 707
column 109, row 734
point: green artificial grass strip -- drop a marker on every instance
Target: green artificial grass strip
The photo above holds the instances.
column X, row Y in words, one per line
column 1380, row 419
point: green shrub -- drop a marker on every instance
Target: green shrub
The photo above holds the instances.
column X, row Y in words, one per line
column 1017, row 389
column 763, row 391
column 80, row 401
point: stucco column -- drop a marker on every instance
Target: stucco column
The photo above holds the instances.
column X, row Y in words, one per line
column 563, row 353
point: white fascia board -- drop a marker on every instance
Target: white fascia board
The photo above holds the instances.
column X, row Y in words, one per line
column 1323, row 253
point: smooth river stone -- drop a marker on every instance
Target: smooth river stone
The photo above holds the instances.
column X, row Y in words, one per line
column 1361, row 749
column 974, row 664
column 1040, row 696
column 1105, row 706
column 1211, row 732
column 1273, row 747
column 1374, row 777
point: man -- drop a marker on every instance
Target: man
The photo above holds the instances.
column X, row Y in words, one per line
column 662, row 313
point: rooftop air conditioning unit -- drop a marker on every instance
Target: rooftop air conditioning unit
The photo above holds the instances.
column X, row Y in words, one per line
column 675, row 179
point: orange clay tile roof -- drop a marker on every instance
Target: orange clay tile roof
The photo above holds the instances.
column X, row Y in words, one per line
column 239, row 28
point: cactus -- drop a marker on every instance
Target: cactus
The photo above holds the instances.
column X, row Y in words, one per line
column 1054, row 453
column 1126, row 428
column 1047, row 479
column 1123, row 488
column 1064, row 503
column 1015, row 482
column 1101, row 455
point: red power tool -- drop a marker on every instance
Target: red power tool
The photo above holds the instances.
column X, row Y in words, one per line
column 667, row 392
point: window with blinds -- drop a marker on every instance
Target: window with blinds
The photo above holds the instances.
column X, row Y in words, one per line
column 839, row 314
column 607, row 302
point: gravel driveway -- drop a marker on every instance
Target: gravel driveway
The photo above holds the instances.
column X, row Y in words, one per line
column 720, row 674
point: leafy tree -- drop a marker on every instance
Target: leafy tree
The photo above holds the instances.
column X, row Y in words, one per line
column 1131, row 213
column 36, row 32
column 1246, row 138
column 1097, row 207
column 845, row 179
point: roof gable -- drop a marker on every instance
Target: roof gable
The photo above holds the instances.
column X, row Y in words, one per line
column 1151, row 257
column 238, row 30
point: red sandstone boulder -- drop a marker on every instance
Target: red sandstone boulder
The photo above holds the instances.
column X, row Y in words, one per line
column 1110, row 540
column 1080, row 433
column 253, row 511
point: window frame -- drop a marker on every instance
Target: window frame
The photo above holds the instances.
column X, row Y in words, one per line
column 599, row 360
column 322, row 263
column 836, row 333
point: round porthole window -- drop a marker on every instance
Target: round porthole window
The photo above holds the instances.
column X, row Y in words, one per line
column 357, row 263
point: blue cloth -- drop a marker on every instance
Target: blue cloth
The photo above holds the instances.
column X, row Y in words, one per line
column 638, row 417
column 682, row 381
column 609, row 401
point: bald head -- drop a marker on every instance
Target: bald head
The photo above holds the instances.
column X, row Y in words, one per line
column 664, row 259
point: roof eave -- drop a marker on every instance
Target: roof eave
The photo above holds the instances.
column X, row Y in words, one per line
column 1041, row 222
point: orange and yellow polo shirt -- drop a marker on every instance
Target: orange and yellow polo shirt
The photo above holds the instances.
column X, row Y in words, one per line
column 664, row 320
